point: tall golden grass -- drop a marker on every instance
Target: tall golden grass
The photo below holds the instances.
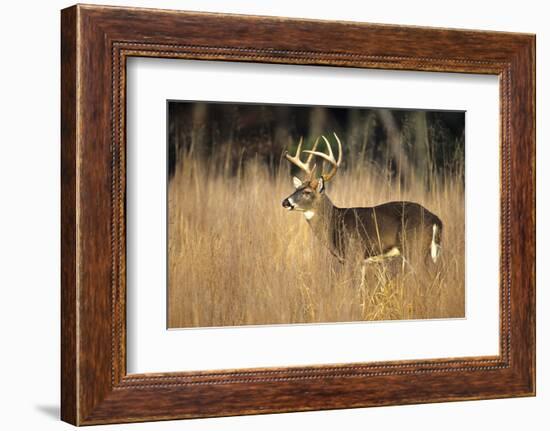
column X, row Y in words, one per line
column 236, row 257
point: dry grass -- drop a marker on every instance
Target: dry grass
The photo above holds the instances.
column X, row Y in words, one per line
column 236, row 257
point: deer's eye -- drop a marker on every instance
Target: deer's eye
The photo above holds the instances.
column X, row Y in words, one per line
column 307, row 192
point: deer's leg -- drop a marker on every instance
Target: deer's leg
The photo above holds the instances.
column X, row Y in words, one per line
column 363, row 288
column 413, row 245
column 392, row 252
column 363, row 274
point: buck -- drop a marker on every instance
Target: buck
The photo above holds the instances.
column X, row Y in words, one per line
column 384, row 231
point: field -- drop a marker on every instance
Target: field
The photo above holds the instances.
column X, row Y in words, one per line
column 237, row 257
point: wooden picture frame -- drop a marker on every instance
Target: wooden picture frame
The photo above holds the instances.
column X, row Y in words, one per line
column 95, row 43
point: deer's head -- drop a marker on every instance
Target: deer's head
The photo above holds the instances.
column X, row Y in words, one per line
column 310, row 191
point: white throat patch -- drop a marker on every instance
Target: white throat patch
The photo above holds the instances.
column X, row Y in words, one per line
column 309, row 215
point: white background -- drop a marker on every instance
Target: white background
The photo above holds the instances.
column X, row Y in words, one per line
column 151, row 348
column 29, row 215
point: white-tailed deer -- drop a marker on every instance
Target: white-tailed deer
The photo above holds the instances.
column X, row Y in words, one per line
column 384, row 231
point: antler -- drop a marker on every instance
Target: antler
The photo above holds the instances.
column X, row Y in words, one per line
column 298, row 162
column 328, row 157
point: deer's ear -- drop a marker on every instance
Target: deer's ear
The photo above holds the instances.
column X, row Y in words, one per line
column 297, row 182
column 320, row 185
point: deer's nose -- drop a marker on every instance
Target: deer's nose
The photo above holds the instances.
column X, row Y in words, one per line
column 287, row 204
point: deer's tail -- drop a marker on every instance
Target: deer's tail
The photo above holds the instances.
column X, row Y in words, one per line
column 435, row 246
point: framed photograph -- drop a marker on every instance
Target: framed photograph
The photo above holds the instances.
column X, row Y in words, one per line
column 264, row 215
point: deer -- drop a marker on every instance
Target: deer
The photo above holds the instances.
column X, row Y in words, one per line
column 389, row 230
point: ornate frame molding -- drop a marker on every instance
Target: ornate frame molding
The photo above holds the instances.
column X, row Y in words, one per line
column 96, row 41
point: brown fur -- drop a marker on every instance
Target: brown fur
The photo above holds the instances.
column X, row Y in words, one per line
column 404, row 225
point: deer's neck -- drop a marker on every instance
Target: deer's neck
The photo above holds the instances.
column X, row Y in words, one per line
column 320, row 219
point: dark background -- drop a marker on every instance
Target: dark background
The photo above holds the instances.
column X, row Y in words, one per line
column 405, row 143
